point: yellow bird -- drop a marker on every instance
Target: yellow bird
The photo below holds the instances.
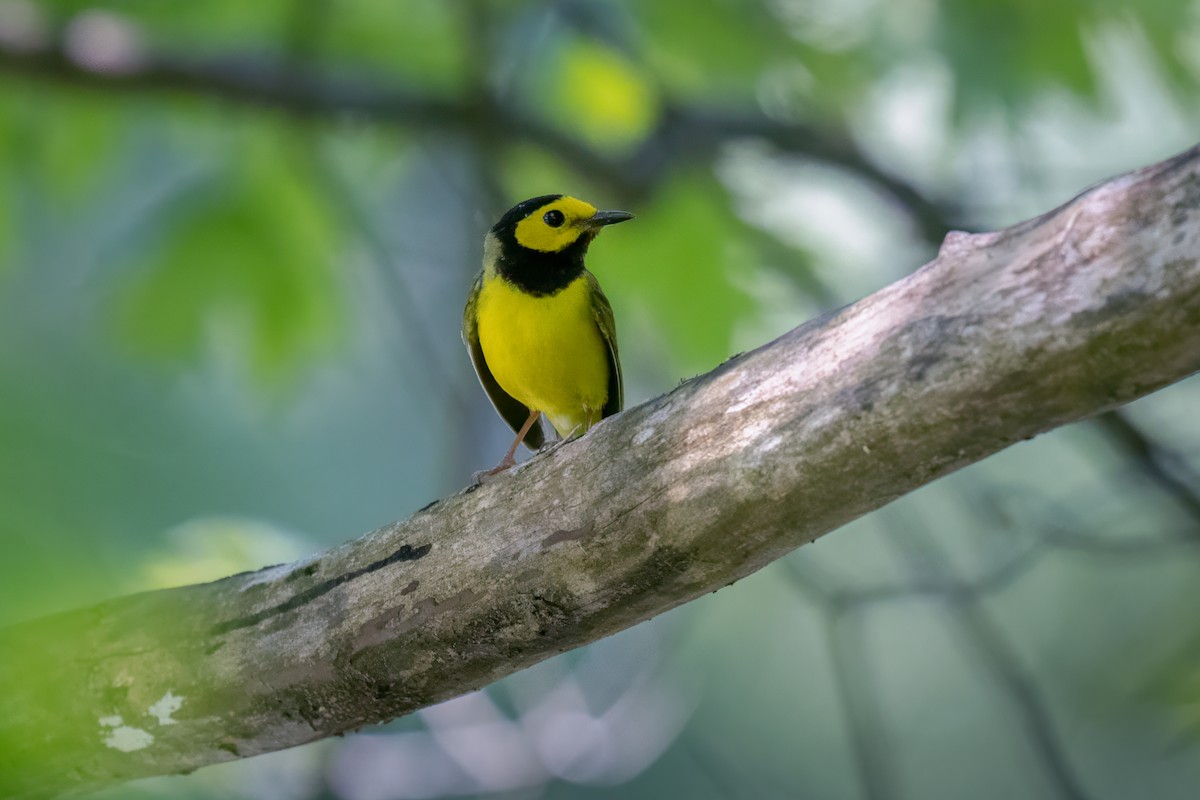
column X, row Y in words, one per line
column 540, row 332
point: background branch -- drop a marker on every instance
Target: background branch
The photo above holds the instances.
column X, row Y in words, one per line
column 1003, row 336
column 1164, row 468
column 684, row 134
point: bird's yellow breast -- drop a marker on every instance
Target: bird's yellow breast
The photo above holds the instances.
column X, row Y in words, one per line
column 546, row 351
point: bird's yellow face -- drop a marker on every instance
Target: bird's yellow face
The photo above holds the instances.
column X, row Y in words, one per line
column 556, row 225
column 539, row 244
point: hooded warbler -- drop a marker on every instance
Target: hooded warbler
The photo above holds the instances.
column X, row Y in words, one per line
column 539, row 330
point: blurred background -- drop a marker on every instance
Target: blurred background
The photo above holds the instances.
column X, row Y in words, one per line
column 235, row 241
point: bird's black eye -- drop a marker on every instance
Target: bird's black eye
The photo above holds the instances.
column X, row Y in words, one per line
column 554, row 218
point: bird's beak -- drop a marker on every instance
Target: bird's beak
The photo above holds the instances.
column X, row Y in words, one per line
column 602, row 218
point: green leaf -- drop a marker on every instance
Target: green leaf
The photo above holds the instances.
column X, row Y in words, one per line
column 677, row 266
column 602, row 95
column 67, row 141
column 1012, row 49
column 247, row 266
column 1009, row 50
column 1171, row 29
column 702, row 48
column 415, row 37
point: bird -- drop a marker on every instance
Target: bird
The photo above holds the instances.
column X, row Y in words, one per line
column 539, row 330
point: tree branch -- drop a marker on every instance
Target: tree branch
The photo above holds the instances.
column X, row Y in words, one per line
column 1165, row 468
column 1003, row 336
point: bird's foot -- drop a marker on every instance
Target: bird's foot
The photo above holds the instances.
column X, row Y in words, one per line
column 483, row 476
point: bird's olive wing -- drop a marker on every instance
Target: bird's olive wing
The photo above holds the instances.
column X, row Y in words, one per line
column 603, row 314
column 512, row 410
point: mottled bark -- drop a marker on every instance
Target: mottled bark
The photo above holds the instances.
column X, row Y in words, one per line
column 1003, row 336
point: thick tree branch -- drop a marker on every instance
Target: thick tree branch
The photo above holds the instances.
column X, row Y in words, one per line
column 1003, row 336
column 684, row 134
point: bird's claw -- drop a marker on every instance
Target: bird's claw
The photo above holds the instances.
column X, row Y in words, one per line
column 483, row 476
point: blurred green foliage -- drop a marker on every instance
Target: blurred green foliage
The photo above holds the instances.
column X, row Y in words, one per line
column 713, row 48
column 229, row 321
column 601, row 94
column 688, row 238
column 270, row 282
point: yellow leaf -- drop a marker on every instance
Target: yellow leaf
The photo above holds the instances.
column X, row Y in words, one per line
column 604, row 96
